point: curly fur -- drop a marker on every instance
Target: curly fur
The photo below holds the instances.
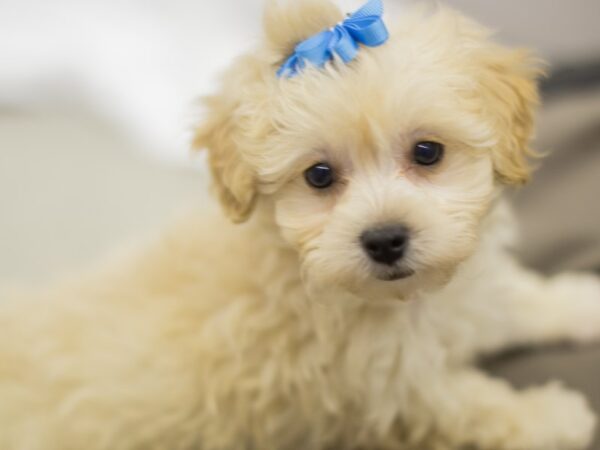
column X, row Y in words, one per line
column 275, row 333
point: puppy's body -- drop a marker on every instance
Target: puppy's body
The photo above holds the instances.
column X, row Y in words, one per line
column 280, row 333
column 196, row 343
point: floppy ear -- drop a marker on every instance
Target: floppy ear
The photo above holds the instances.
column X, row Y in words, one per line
column 234, row 121
column 509, row 82
column 288, row 22
column 233, row 179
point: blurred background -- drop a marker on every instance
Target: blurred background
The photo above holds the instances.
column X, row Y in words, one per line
column 97, row 103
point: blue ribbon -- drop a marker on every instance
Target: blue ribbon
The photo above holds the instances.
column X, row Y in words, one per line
column 365, row 27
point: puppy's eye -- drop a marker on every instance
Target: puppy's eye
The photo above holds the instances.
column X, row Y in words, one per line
column 319, row 176
column 428, row 153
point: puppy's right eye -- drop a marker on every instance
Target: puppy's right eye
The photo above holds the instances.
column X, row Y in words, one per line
column 428, row 153
column 319, row 176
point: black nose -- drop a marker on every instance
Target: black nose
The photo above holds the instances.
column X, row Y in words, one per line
column 385, row 245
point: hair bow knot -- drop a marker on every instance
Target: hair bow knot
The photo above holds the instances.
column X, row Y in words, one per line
column 365, row 27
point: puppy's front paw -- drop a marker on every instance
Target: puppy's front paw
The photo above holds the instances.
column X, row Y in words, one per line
column 579, row 308
column 553, row 419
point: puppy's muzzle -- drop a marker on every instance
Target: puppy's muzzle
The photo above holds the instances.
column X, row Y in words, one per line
column 386, row 244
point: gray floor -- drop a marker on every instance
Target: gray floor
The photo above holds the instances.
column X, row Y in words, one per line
column 71, row 187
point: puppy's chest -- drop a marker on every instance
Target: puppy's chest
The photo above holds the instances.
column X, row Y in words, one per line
column 341, row 359
column 294, row 371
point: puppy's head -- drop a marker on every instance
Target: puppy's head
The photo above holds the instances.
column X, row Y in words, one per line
column 379, row 171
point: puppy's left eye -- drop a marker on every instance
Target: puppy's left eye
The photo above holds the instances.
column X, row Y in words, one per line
column 428, row 153
column 319, row 176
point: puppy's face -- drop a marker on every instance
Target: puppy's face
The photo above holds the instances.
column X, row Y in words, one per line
column 379, row 172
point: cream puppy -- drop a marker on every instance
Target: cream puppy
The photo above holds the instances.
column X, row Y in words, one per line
column 346, row 311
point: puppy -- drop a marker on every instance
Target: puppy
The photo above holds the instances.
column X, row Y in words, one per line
column 368, row 268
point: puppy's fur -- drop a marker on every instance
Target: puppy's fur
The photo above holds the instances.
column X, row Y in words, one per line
column 279, row 333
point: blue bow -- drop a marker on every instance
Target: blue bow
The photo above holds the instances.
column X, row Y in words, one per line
column 365, row 26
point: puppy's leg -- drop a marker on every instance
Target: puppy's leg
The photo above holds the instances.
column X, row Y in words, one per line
column 515, row 306
column 564, row 307
column 546, row 310
column 488, row 414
